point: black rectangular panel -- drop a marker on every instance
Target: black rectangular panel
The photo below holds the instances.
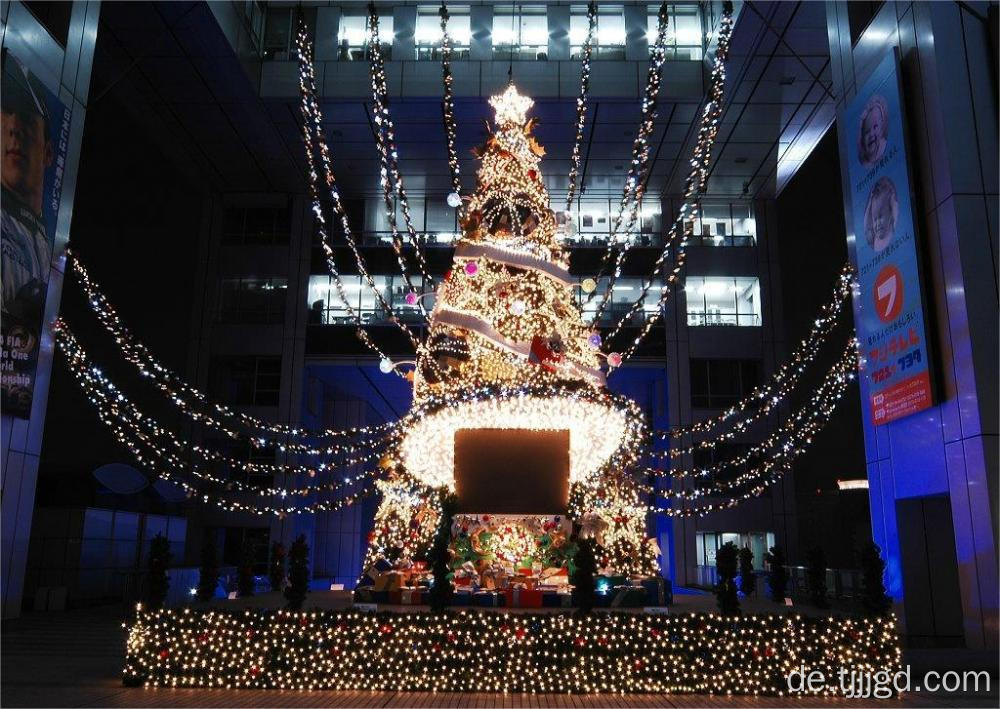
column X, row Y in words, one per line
column 512, row 471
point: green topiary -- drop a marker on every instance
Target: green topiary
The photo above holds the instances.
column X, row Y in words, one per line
column 441, row 591
column 816, row 577
column 159, row 582
column 276, row 567
column 298, row 573
column 244, row 573
column 777, row 577
column 873, row 596
column 725, row 589
column 208, row 574
column 747, row 576
column 585, row 564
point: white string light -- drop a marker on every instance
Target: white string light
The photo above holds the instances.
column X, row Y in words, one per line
column 581, row 104
column 695, row 185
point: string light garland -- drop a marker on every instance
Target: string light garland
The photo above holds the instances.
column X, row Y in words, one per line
column 612, row 652
column 791, row 439
column 389, row 176
column 313, row 131
column 141, row 435
column 179, row 392
column 697, row 178
column 764, row 398
column 448, row 112
column 581, row 104
column 635, row 182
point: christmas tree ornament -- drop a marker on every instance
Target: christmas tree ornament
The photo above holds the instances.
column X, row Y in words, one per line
column 589, row 285
column 471, row 268
column 385, row 366
column 454, row 199
column 411, row 298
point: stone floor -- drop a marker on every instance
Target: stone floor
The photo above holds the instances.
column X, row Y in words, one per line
column 74, row 659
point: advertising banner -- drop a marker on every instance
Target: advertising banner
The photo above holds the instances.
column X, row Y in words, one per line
column 35, row 126
column 890, row 317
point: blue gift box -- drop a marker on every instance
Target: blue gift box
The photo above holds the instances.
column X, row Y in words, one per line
column 553, row 599
column 659, row 591
column 627, row 597
column 488, row 599
column 461, row 598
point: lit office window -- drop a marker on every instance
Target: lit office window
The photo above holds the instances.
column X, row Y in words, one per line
column 708, row 543
column 594, row 221
column 327, row 308
column 352, row 38
column 520, row 32
column 624, row 294
column 725, row 224
column 253, row 300
column 684, row 35
column 610, row 42
column 719, row 300
column 427, row 34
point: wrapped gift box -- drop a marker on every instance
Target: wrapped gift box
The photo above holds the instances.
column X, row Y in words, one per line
column 554, row 576
column 407, row 596
column 659, row 591
column 364, row 594
column 627, row 597
column 389, row 581
column 557, row 599
column 461, row 598
column 488, row 599
column 523, row 598
column 523, row 580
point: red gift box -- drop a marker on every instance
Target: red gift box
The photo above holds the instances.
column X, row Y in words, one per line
column 406, row 597
column 523, row 598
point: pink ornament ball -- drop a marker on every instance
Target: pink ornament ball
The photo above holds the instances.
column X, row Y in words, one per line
column 472, row 268
column 411, row 298
column 615, row 359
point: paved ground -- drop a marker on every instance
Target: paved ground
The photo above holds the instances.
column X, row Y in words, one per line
column 74, row 659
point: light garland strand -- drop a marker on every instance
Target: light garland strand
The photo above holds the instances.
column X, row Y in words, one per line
column 764, row 398
column 178, row 391
column 313, row 130
column 389, row 176
column 448, row 110
column 122, row 417
column 635, row 179
column 695, row 185
column 802, row 426
column 581, row 104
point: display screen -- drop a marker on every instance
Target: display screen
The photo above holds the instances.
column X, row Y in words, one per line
column 889, row 308
column 512, row 471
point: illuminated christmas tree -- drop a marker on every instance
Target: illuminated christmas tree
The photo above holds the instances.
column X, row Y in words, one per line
column 508, row 348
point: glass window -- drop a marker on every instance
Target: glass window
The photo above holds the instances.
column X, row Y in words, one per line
column 625, row 293
column 718, row 383
column 725, row 224
column 684, row 38
column 610, row 40
column 427, row 34
column 718, row 300
column 520, row 32
column 253, row 300
column 327, row 308
column 256, row 225
column 352, row 38
column 246, row 380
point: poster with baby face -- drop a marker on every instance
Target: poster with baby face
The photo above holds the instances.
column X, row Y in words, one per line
column 890, row 315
